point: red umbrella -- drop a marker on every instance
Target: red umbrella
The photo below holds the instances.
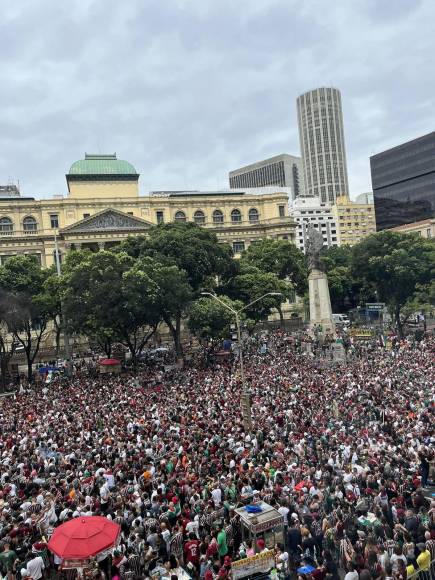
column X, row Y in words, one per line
column 84, row 537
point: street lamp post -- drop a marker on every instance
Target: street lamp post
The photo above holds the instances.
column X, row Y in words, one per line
column 67, row 350
column 245, row 397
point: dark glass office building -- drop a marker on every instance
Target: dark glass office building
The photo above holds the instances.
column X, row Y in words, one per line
column 403, row 181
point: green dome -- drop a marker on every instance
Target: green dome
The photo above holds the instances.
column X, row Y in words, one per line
column 102, row 165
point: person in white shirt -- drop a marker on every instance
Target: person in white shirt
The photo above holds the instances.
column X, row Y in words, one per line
column 193, row 527
column 284, row 511
column 282, row 557
column 216, row 494
column 104, row 496
column 108, row 476
column 352, row 574
column 34, row 568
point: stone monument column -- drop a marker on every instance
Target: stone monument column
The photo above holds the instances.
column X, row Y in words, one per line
column 320, row 301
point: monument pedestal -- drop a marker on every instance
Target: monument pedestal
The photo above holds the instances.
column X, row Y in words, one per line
column 320, row 302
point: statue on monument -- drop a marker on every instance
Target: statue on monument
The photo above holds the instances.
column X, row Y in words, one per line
column 320, row 301
column 313, row 248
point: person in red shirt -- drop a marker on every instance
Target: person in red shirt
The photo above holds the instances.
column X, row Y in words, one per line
column 191, row 551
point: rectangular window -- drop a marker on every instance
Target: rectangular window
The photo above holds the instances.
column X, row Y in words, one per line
column 281, row 209
column 238, row 247
column 86, row 215
column 428, row 233
column 160, row 217
column 54, row 220
column 130, row 213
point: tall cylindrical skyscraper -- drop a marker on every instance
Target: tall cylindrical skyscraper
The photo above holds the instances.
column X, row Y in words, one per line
column 321, row 135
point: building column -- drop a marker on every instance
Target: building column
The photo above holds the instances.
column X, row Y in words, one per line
column 101, row 245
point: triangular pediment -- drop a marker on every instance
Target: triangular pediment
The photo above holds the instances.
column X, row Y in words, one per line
column 108, row 220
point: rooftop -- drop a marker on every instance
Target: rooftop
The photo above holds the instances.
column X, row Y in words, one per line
column 259, row 191
column 98, row 164
column 9, row 191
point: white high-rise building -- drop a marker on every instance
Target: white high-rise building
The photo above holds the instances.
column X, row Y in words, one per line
column 309, row 210
column 282, row 171
column 321, row 135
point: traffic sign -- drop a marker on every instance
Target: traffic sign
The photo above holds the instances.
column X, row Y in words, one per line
column 375, row 305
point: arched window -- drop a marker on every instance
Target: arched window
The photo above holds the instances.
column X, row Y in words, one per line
column 29, row 224
column 218, row 217
column 236, row 216
column 6, row 226
column 253, row 215
column 180, row 216
column 199, row 217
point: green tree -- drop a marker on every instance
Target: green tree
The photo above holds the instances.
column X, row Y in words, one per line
column 345, row 291
column 395, row 265
column 188, row 246
column 279, row 257
column 174, row 295
column 210, row 319
column 336, row 256
column 7, row 343
column 252, row 283
column 52, row 300
column 23, row 280
column 109, row 298
column 195, row 260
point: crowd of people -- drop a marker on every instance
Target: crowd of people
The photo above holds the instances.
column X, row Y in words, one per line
column 343, row 452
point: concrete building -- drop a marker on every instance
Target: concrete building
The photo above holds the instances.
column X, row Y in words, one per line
column 282, row 171
column 309, row 210
column 103, row 207
column 321, row 135
column 424, row 228
column 9, row 191
column 355, row 221
column 403, row 180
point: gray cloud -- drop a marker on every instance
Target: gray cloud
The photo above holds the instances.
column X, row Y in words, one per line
column 190, row 89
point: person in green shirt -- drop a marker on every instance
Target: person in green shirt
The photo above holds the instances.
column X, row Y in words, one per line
column 222, row 542
column 7, row 560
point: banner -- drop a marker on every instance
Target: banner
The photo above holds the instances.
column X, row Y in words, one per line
column 259, row 563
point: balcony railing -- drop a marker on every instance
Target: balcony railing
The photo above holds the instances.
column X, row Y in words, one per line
column 21, row 233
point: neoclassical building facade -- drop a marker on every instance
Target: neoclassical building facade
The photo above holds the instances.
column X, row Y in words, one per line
column 103, row 207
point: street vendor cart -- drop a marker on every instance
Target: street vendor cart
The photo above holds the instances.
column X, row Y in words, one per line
column 109, row 365
column 261, row 520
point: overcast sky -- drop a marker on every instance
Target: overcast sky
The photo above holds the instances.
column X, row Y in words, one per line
column 189, row 89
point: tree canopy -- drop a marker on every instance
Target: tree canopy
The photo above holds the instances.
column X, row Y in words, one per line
column 210, row 319
column 395, row 266
column 22, row 282
column 279, row 257
column 110, row 297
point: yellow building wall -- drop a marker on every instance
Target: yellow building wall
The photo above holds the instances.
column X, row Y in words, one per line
column 71, row 210
column 423, row 228
column 355, row 221
column 103, row 189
